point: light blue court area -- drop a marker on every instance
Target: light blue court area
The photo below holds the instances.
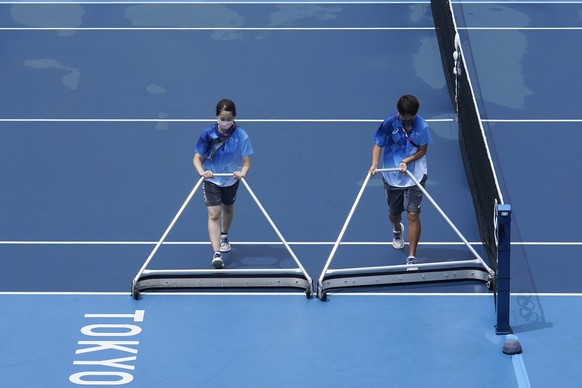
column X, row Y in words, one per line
column 254, row 341
column 285, row 341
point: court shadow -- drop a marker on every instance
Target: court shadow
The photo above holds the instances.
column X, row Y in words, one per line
column 526, row 327
column 258, row 256
column 433, row 255
column 527, row 313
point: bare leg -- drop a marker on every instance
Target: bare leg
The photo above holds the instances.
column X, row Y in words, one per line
column 396, row 219
column 227, row 217
column 414, row 228
column 214, row 227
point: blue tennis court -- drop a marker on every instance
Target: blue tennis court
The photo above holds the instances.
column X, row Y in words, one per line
column 101, row 108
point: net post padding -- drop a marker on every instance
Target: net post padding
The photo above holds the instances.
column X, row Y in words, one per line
column 476, row 158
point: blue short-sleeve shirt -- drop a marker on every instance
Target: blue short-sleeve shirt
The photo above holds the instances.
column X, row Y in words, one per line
column 228, row 158
column 391, row 137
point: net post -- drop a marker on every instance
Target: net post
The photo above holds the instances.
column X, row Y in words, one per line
column 503, row 269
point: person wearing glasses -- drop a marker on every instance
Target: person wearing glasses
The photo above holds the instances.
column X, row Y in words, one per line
column 404, row 137
column 223, row 147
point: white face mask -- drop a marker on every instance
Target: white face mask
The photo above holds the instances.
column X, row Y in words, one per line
column 225, row 125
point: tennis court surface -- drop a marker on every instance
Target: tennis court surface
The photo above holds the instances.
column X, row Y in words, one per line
column 102, row 105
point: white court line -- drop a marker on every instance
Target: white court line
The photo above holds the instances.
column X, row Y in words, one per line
column 535, row 243
column 215, row 28
column 519, row 367
column 388, row 2
column 157, row 120
column 560, row 294
column 208, row 243
column 387, row 243
column 66, row 293
column 125, row 294
column 63, row 293
column 282, row 28
column 532, row 120
column 514, row 2
column 557, row 294
column 520, row 28
column 107, row 120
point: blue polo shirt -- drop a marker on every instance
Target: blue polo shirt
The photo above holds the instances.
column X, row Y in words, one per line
column 228, row 158
column 391, row 137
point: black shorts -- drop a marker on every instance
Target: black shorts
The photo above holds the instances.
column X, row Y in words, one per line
column 395, row 197
column 215, row 195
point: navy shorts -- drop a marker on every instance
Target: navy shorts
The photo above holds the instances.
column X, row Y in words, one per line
column 215, row 195
column 404, row 198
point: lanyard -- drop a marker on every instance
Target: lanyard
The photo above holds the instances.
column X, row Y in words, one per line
column 219, row 141
column 409, row 139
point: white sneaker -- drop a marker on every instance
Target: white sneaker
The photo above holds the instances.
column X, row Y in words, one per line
column 411, row 260
column 397, row 239
column 217, row 260
column 224, row 245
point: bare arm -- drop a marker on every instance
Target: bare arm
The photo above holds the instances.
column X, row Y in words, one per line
column 198, row 166
column 245, row 168
column 376, row 151
column 409, row 159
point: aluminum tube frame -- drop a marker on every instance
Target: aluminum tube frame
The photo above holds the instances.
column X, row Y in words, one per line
column 290, row 273
column 344, row 227
column 276, row 229
column 473, row 251
column 168, row 229
column 321, row 287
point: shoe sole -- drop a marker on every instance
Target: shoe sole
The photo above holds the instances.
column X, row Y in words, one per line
column 225, row 250
column 411, row 268
column 218, row 263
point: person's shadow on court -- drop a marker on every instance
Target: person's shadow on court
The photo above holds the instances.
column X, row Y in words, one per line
column 258, row 256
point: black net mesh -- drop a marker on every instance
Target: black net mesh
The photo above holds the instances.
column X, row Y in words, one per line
column 478, row 164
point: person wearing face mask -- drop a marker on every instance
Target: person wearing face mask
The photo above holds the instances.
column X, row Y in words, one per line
column 223, row 147
column 404, row 137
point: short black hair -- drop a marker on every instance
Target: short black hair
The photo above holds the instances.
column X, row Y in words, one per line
column 408, row 104
column 226, row 105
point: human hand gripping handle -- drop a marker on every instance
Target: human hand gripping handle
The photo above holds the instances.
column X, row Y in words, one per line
column 403, row 167
column 209, row 174
column 236, row 174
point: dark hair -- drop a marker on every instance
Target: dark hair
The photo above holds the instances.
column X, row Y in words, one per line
column 226, row 105
column 408, row 104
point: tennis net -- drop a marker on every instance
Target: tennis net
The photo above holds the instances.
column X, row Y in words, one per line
column 475, row 152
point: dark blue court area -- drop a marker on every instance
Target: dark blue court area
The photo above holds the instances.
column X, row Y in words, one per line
column 101, row 105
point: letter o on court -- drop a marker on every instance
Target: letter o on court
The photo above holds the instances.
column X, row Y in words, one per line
column 122, row 378
column 111, row 330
